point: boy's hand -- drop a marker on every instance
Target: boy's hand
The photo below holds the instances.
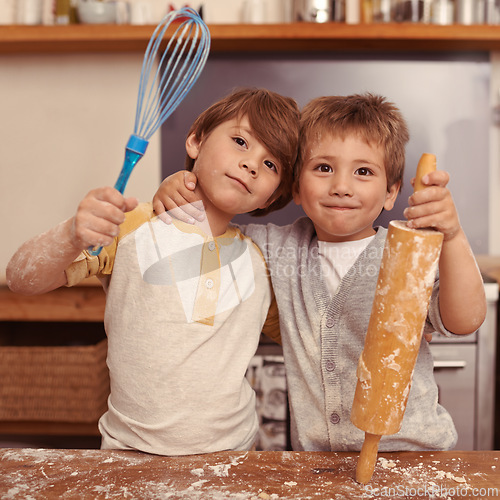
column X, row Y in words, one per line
column 98, row 217
column 176, row 195
column 434, row 206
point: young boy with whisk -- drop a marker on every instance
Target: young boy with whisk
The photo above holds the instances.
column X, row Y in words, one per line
column 324, row 270
column 185, row 305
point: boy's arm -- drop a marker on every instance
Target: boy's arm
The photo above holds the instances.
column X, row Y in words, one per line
column 39, row 265
column 462, row 302
column 177, row 195
column 271, row 327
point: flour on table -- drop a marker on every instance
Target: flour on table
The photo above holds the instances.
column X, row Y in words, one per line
column 386, row 464
column 221, row 470
column 198, row 472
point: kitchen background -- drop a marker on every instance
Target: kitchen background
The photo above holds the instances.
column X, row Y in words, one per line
column 69, row 116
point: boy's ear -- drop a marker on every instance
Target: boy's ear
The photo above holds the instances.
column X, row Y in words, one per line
column 295, row 193
column 391, row 195
column 193, row 146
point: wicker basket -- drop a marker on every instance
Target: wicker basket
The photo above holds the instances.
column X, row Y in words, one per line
column 54, row 383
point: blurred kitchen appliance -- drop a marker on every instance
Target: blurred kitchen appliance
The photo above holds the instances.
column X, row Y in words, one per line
column 464, row 369
column 266, row 374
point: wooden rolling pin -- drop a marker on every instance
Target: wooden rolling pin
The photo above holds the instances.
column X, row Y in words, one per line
column 385, row 368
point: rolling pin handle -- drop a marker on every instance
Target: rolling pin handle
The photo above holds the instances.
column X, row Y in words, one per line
column 367, row 458
column 426, row 164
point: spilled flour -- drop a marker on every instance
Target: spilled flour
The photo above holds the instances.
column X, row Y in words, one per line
column 424, row 480
column 94, row 474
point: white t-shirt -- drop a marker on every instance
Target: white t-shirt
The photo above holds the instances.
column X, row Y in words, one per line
column 337, row 258
column 184, row 314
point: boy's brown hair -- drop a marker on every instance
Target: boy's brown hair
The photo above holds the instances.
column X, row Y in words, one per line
column 371, row 116
column 275, row 122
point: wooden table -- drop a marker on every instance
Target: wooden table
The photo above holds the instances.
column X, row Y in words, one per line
column 94, row 474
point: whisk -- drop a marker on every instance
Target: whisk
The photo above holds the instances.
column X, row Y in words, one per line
column 161, row 91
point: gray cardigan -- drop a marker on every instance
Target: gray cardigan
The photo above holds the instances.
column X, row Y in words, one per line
column 323, row 338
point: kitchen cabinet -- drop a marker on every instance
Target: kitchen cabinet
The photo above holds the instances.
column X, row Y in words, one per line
column 80, row 304
column 258, row 37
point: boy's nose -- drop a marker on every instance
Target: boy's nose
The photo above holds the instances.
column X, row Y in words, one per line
column 250, row 167
column 340, row 187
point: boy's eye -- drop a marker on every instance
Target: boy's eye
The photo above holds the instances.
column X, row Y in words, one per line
column 364, row 171
column 324, row 168
column 271, row 165
column 240, row 141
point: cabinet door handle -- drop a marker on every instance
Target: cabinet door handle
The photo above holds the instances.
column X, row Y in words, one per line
column 449, row 364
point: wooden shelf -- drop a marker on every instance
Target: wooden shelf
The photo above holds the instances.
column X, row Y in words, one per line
column 49, row 428
column 293, row 37
column 79, row 303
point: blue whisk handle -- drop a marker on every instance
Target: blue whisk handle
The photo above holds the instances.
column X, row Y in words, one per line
column 137, row 144
column 134, row 151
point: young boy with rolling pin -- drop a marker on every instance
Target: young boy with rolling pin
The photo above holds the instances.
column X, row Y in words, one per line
column 324, row 270
column 185, row 305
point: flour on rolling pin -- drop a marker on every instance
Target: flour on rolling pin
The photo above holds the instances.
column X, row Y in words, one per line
column 416, row 251
column 394, row 334
column 402, row 296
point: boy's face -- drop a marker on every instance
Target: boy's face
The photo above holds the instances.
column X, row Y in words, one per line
column 343, row 187
column 236, row 173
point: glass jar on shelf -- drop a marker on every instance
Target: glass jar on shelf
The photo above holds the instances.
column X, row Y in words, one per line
column 383, row 11
column 412, row 11
column 443, row 12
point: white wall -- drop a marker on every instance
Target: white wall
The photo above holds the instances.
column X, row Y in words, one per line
column 65, row 122
column 494, row 195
